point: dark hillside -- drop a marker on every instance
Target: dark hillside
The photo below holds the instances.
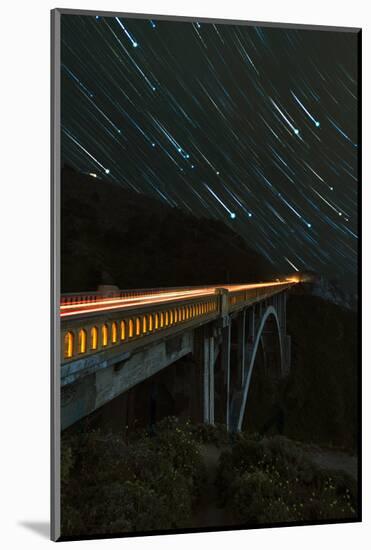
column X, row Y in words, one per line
column 114, row 236
column 318, row 401
column 322, row 387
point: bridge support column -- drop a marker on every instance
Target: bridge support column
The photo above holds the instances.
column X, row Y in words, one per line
column 209, row 389
column 226, row 364
column 212, row 380
column 241, row 348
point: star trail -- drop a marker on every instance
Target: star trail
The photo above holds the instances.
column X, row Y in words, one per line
column 254, row 126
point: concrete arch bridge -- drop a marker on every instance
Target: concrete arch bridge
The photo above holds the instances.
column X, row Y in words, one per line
column 112, row 341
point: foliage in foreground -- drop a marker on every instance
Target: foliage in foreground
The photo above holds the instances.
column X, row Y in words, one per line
column 154, row 483
column 109, row 486
column 211, row 434
column 270, row 480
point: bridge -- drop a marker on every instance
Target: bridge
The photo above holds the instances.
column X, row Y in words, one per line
column 113, row 340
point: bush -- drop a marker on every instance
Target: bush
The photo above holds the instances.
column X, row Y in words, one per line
column 150, row 483
column 213, row 434
column 270, row 480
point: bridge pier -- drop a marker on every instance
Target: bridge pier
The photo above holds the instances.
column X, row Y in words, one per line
column 208, row 381
column 226, row 365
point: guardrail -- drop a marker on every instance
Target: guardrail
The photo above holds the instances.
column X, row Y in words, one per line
column 80, row 298
column 105, row 330
column 90, row 336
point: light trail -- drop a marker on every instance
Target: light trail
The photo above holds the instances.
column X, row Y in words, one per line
column 292, row 265
column 295, row 130
column 315, row 173
column 67, row 133
column 133, row 42
column 316, row 122
column 123, row 303
column 337, row 210
column 111, row 304
column 78, row 81
column 232, row 214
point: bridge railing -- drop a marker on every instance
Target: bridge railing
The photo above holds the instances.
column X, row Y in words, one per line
column 88, row 335
column 79, row 298
column 94, row 334
column 242, row 298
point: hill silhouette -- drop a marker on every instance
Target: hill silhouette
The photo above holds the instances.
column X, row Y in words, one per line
column 318, row 401
column 111, row 235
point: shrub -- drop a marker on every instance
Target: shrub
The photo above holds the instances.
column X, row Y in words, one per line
column 214, row 434
column 150, row 483
column 270, row 480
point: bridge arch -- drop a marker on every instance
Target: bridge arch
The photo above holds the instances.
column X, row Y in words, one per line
column 269, row 312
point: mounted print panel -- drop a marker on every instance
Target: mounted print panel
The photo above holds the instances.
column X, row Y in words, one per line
column 205, row 275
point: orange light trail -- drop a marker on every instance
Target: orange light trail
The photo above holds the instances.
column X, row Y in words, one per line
column 111, row 304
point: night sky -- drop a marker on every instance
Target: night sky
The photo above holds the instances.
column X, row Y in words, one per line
column 255, row 126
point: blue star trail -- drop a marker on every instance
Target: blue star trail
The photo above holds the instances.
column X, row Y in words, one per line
column 253, row 126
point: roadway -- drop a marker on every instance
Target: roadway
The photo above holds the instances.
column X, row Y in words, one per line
column 69, row 310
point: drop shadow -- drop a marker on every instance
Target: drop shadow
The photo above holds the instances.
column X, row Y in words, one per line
column 42, row 528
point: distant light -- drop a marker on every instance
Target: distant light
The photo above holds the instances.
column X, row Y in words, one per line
column 250, row 215
column 92, row 174
column 153, row 144
column 309, row 225
column 97, row 17
column 187, row 156
column 135, row 44
column 217, row 173
column 106, row 171
column 340, row 214
column 153, row 88
column 179, row 150
column 192, row 166
column 233, row 215
column 318, row 124
column 296, row 131
column 331, row 188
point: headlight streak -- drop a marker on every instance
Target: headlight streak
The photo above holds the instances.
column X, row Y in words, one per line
column 112, row 304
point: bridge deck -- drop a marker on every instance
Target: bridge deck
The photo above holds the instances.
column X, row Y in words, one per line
column 124, row 320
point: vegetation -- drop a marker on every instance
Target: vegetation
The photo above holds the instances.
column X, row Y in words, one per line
column 213, row 434
column 150, row 483
column 155, row 483
column 270, row 480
